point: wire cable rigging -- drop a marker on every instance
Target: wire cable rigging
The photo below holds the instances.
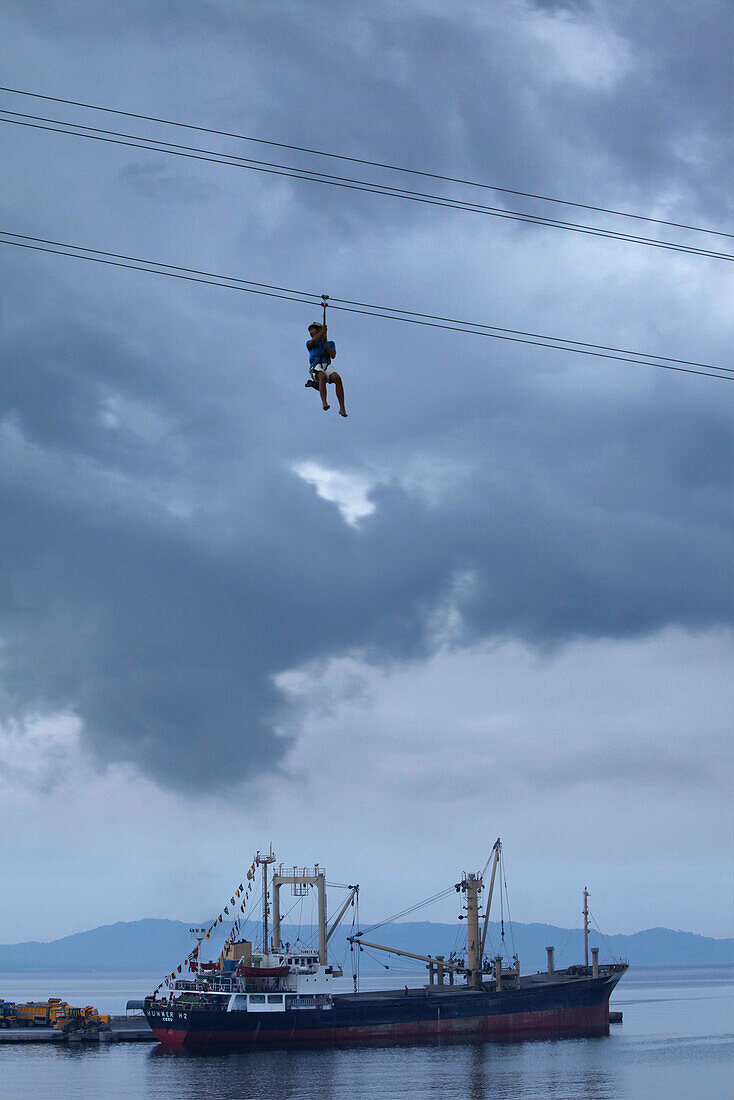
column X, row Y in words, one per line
column 370, row 187
column 369, row 163
column 155, row 267
column 411, row 909
column 561, row 953
column 503, row 872
column 607, row 944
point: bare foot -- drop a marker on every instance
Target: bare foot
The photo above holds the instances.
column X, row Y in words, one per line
column 326, row 407
column 342, row 412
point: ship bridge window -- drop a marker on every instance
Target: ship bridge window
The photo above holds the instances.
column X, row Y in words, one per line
column 275, row 998
column 257, row 998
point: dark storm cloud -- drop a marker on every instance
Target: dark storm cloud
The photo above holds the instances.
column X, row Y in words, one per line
column 161, row 562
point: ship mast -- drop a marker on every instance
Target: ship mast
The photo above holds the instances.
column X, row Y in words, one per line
column 470, row 885
column 300, row 880
column 263, row 861
column 586, row 927
column 198, row 934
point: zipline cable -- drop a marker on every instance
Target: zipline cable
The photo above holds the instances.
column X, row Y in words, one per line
column 195, row 275
column 211, row 156
column 369, row 163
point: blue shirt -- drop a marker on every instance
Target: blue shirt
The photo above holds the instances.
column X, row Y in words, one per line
column 316, row 354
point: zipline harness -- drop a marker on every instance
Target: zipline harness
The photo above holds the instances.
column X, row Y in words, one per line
column 323, row 360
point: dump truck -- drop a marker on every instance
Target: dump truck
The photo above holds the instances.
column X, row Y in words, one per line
column 53, row 1013
column 70, row 1018
column 38, row 1013
column 93, row 1020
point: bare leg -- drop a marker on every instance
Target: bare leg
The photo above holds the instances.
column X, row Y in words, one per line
column 322, row 389
column 337, row 380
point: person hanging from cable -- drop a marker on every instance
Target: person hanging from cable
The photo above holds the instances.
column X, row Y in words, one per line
column 321, row 353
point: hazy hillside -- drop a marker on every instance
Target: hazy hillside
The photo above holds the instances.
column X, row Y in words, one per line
column 159, row 945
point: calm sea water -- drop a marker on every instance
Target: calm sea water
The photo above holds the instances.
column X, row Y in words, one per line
column 676, row 1043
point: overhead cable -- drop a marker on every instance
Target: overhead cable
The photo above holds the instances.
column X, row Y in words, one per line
column 369, row 163
column 391, row 313
column 212, row 156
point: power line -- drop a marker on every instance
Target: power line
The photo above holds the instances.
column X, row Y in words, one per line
column 191, row 152
column 156, row 267
column 370, row 163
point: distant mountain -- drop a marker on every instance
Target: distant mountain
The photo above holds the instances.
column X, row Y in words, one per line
column 128, row 946
column 155, row 946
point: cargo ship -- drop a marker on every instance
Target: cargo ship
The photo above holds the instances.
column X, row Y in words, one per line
column 283, row 997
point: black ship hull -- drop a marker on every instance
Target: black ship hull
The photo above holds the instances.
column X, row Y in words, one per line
column 543, row 1006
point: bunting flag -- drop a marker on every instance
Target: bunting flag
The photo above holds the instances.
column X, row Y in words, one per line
column 241, row 895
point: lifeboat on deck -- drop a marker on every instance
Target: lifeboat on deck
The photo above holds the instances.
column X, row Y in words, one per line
column 263, row 971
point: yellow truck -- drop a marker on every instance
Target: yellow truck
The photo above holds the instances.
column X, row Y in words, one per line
column 60, row 1015
column 93, row 1020
column 38, row 1013
column 71, row 1018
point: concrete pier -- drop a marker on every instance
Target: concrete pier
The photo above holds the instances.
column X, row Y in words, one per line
column 122, row 1029
column 31, row 1035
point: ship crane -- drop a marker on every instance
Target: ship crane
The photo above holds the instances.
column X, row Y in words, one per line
column 471, row 886
column 495, row 857
column 432, row 961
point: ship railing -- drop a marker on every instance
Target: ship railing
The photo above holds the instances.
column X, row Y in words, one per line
column 300, row 872
column 216, row 985
column 220, row 985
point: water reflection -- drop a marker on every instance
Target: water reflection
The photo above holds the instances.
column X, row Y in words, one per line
column 477, row 1071
column 240, row 1076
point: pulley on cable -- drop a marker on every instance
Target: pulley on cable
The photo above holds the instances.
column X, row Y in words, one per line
column 321, row 353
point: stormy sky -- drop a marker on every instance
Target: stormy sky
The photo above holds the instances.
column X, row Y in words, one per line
column 497, row 599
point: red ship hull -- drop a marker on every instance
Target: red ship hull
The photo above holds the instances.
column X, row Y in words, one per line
column 572, row 1023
